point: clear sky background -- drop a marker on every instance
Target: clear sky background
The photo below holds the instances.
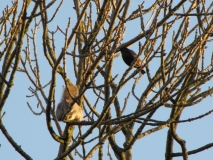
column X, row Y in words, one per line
column 31, row 133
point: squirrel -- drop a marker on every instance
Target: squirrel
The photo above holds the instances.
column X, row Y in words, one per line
column 62, row 112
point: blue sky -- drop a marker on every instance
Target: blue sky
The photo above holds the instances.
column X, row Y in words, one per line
column 31, row 133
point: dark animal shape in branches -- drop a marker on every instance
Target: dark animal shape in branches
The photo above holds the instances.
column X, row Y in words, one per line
column 129, row 56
